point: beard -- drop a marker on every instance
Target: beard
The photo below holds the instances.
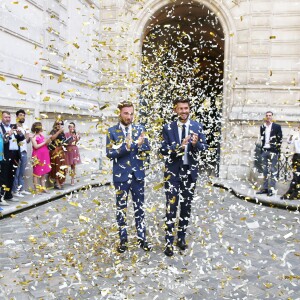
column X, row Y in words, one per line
column 183, row 119
column 125, row 123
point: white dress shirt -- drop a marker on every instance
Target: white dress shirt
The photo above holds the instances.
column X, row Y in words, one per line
column 187, row 127
column 267, row 136
column 129, row 129
column 23, row 144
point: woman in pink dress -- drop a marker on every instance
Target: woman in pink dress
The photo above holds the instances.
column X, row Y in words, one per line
column 72, row 153
column 40, row 157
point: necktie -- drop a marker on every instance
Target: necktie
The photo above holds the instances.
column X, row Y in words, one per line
column 183, row 132
column 126, row 131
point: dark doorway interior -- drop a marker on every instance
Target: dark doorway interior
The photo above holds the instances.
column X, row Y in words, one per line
column 183, row 55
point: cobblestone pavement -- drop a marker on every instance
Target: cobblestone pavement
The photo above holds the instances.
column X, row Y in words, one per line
column 66, row 249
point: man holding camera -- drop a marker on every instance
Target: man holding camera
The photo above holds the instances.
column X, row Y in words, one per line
column 12, row 136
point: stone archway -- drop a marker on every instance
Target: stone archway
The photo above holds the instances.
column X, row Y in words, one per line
column 194, row 25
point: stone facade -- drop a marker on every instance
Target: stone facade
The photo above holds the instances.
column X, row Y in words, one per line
column 72, row 57
column 261, row 65
column 49, row 65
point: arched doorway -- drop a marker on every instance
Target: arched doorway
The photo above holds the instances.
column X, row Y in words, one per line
column 183, row 55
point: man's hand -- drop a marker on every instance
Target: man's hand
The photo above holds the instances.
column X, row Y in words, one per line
column 128, row 141
column 19, row 131
column 195, row 139
column 185, row 141
column 141, row 139
column 10, row 132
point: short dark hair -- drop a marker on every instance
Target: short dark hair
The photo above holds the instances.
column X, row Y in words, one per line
column 5, row 112
column 20, row 111
column 181, row 100
column 125, row 104
column 269, row 112
column 36, row 127
column 72, row 123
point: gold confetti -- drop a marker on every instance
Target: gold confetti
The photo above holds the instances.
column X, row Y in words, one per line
column 83, row 218
column 158, row 186
column 60, row 78
column 46, row 98
column 268, row 285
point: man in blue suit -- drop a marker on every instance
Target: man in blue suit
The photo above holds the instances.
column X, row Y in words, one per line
column 183, row 141
column 127, row 146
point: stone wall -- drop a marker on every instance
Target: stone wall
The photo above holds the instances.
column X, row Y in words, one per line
column 261, row 65
column 73, row 57
column 49, row 66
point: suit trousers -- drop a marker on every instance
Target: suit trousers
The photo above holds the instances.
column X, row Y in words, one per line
column 269, row 165
column 19, row 184
column 7, row 173
column 179, row 193
column 137, row 191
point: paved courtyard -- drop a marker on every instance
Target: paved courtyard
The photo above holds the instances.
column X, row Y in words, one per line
column 66, row 249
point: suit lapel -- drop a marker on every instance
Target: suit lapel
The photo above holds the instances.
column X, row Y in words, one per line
column 175, row 132
column 191, row 128
column 135, row 132
column 120, row 136
column 272, row 130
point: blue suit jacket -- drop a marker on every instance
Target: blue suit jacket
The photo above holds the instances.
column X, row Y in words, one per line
column 126, row 162
column 170, row 147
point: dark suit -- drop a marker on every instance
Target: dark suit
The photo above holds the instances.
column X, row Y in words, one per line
column 180, row 179
column 270, row 155
column 275, row 137
column 128, row 175
column 9, row 164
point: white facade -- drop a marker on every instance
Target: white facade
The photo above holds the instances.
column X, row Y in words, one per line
column 262, row 65
column 49, row 66
column 71, row 57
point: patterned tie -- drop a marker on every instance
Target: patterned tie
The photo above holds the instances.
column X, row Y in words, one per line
column 183, row 132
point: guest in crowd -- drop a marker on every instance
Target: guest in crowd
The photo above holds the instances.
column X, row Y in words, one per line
column 40, row 157
column 19, row 184
column 293, row 192
column 72, row 153
column 57, row 154
column 271, row 140
column 1, row 152
column 11, row 156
